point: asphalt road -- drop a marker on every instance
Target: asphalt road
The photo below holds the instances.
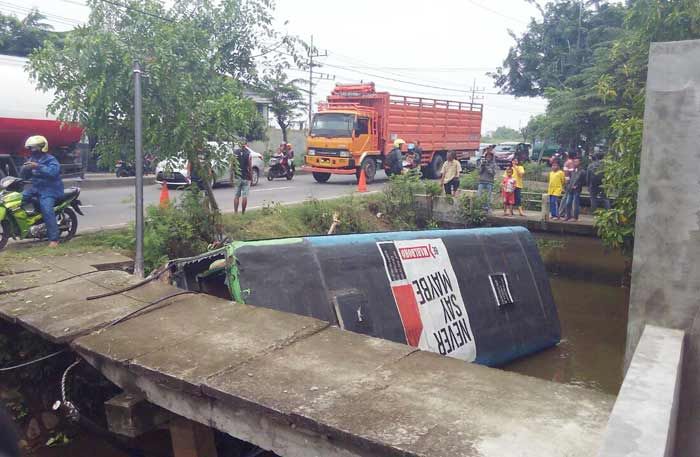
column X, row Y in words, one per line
column 114, row 207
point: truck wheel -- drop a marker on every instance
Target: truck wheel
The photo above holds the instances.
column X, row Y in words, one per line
column 321, row 177
column 436, row 166
column 370, row 167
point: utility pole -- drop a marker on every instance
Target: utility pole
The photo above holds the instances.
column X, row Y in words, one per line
column 475, row 90
column 313, row 52
column 138, row 262
column 580, row 17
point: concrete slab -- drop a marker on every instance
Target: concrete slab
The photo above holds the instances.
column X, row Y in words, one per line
column 184, row 343
column 313, row 370
column 650, row 391
column 88, row 261
column 388, row 400
column 666, row 272
column 32, row 278
column 60, row 312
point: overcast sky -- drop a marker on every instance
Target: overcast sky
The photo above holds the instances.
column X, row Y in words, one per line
column 446, row 44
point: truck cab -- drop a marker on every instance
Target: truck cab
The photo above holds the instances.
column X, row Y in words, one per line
column 342, row 141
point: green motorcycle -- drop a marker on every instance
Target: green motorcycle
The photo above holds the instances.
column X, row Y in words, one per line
column 19, row 221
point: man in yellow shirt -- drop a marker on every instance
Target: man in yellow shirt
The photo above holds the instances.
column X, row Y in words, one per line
column 557, row 181
column 519, row 176
column 450, row 174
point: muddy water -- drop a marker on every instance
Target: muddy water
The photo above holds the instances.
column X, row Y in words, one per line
column 586, row 281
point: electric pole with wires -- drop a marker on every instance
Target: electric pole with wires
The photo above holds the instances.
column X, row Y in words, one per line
column 475, row 91
column 313, row 52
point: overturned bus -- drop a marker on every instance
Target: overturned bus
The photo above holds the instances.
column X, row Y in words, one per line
column 480, row 295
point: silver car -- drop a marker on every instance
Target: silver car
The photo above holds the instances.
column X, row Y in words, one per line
column 177, row 172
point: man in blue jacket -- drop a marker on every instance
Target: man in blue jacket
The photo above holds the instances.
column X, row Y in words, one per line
column 45, row 173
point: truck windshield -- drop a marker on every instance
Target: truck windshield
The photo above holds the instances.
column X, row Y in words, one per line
column 333, row 125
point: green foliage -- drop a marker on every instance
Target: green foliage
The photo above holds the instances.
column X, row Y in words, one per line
column 398, row 201
column 535, row 171
column 555, row 49
column 616, row 226
column 57, row 440
column 182, row 229
column 595, row 86
column 472, row 210
column 287, row 100
column 502, row 134
column 187, row 53
column 469, row 181
column 21, row 37
column 318, row 216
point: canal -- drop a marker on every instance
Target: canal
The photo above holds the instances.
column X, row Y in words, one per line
column 588, row 284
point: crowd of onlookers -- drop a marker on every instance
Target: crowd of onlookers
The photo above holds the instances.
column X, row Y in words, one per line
column 566, row 181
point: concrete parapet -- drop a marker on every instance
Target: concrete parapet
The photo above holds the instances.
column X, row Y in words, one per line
column 643, row 420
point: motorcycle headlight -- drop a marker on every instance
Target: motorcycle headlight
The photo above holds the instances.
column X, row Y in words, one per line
column 311, row 152
column 344, row 154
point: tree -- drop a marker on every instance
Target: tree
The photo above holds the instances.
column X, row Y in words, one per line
column 502, row 134
column 21, row 37
column 287, row 100
column 191, row 58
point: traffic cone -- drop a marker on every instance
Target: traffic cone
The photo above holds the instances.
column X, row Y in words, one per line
column 362, row 183
column 164, row 195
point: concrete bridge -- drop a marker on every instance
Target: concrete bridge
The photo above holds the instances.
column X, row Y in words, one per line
column 292, row 384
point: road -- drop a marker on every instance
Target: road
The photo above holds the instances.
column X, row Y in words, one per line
column 114, row 207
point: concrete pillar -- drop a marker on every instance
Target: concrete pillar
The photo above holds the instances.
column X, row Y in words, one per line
column 545, row 208
column 191, row 439
column 666, row 266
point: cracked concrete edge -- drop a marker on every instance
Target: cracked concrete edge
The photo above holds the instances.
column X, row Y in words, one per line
column 255, row 425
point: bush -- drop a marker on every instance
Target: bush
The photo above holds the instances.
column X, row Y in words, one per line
column 469, row 181
column 318, row 216
column 178, row 230
column 398, row 201
column 472, row 210
column 535, row 171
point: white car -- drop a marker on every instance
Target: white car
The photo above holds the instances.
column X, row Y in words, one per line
column 177, row 172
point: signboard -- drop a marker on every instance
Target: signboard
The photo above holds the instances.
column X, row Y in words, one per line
column 501, row 289
column 428, row 298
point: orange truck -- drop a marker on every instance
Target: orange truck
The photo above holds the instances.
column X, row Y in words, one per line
column 356, row 128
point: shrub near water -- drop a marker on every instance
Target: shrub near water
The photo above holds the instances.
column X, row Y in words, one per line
column 181, row 229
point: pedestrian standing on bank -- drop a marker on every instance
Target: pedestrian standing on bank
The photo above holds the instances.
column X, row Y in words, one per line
column 487, row 174
column 557, row 182
column 568, row 167
column 508, row 192
column 451, row 170
column 594, row 176
column 573, row 191
column 519, row 176
column 243, row 177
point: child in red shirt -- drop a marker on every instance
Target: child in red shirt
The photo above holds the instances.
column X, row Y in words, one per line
column 508, row 192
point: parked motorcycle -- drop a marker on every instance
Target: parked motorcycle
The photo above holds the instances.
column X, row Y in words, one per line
column 279, row 166
column 25, row 221
column 123, row 168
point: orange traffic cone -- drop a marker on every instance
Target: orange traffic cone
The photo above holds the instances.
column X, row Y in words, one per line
column 362, row 183
column 164, row 195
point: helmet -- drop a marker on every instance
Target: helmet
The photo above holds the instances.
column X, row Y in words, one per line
column 37, row 141
column 398, row 142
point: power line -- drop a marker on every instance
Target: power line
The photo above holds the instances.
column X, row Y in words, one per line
column 53, row 17
column 496, row 12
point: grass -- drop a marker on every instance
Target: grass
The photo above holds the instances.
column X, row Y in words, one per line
column 120, row 240
column 272, row 221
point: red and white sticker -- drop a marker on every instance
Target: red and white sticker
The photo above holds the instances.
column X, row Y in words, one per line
column 428, row 298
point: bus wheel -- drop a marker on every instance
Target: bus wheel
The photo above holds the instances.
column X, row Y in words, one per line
column 321, row 177
column 369, row 165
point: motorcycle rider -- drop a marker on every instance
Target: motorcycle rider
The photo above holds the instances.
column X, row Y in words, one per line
column 395, row 158
column 45, row 173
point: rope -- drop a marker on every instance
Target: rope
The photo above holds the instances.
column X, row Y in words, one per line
column 71, row 411
column 145, row 307
column 32, row 362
